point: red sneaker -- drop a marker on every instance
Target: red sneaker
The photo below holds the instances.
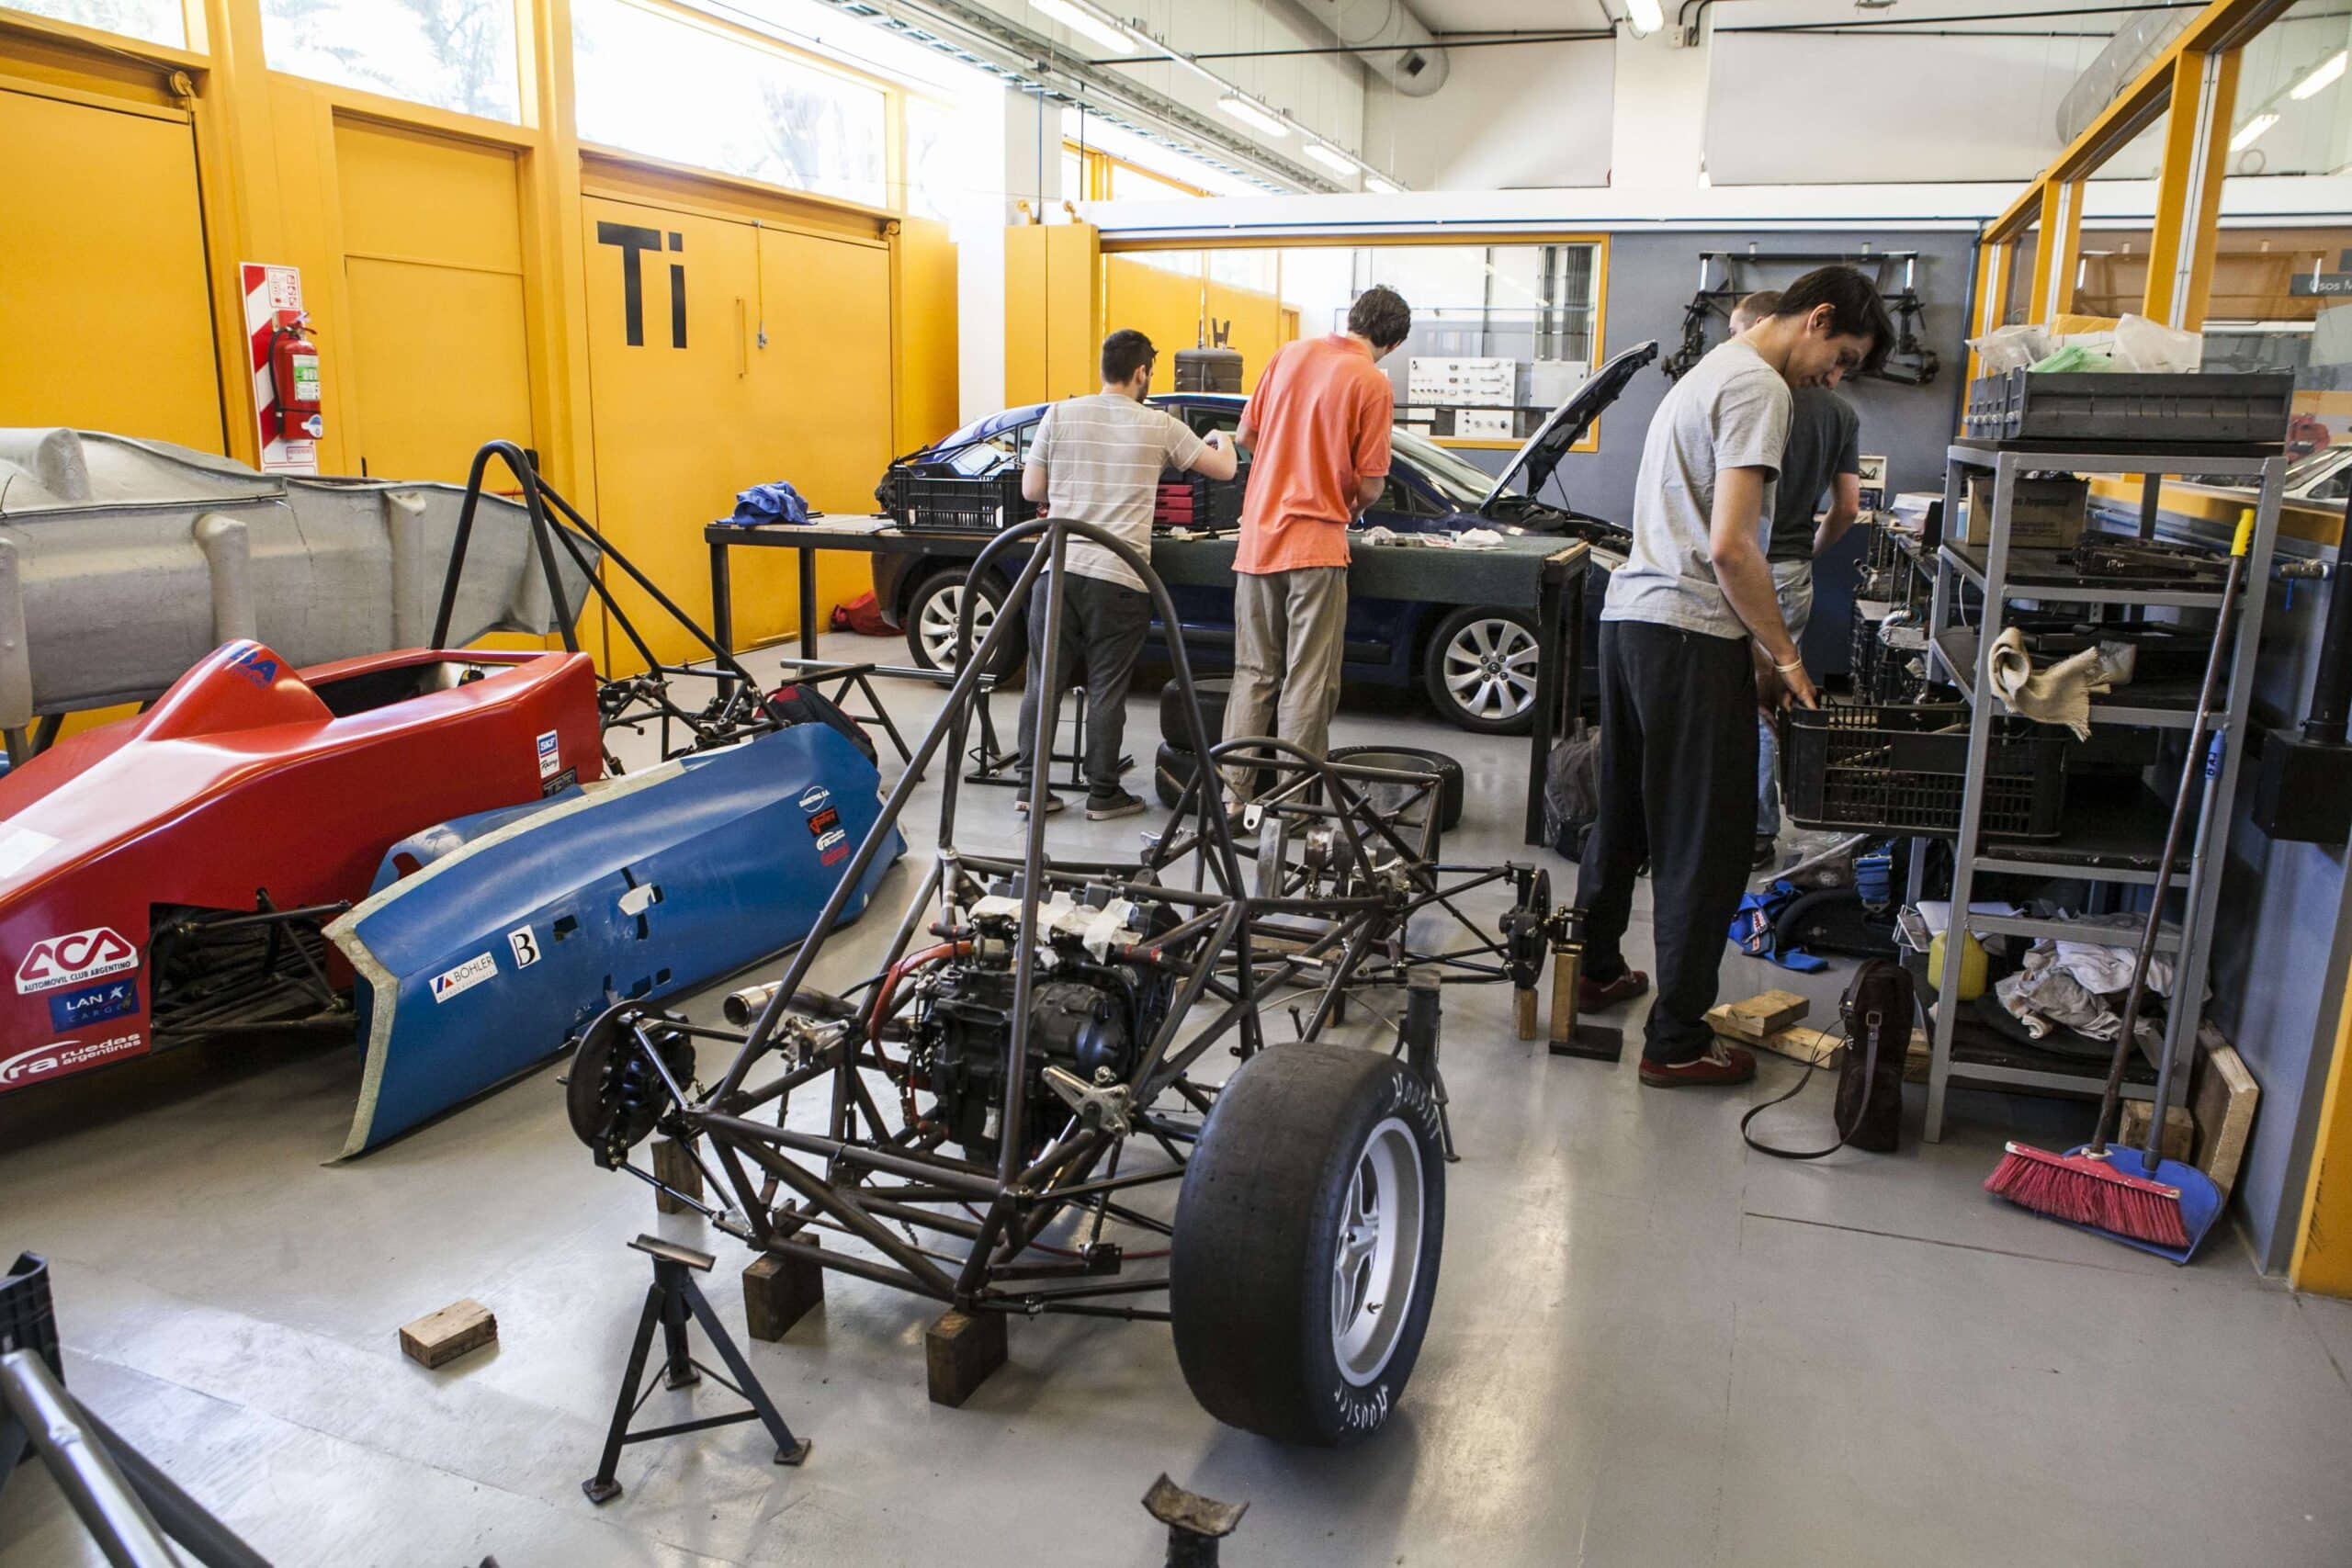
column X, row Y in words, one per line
column 1592, row 994
column 1723, row 1064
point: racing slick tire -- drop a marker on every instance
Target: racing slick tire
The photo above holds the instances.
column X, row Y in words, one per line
column 1213, row 695
column 1307, row 1232
column 1451, row 787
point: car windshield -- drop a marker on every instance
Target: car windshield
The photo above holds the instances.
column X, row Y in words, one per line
column 1460, row 481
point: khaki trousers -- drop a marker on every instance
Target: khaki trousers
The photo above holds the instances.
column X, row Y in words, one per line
column 1288, row 637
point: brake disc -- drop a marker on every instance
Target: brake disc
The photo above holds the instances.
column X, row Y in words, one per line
column 616, row 1097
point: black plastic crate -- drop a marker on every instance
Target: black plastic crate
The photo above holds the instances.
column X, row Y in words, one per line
column 28, row 1322
column 952, row 503
column 1902, row 770
column 1215, row 504
column 2217, row 407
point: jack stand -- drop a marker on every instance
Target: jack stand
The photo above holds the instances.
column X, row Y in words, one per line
column 1420, row 1036
column 1195, row 1524
column 671, row 1297
column 1594, row 1041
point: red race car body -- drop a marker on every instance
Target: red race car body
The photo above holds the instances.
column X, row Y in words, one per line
column 249, row 789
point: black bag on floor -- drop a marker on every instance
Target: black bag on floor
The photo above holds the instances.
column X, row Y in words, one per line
column 806, row 704
column 1876, row 1012
column 1572, row 790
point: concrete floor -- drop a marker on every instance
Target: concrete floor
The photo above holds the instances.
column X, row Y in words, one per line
column 1649, row 1345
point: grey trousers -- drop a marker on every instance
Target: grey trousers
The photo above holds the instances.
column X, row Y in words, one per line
column 1288, row 638
column 1104, row 625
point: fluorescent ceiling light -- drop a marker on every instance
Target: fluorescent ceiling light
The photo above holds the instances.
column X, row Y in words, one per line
column 1376, row 183
column 1647, row 16
column 2252, row 131
column 1331, row 158
column 1255, row 115
column 1076, row 17
column 2323, row 76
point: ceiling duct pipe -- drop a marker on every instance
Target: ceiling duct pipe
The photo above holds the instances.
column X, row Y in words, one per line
column 2135, row 43
column 1393, row 40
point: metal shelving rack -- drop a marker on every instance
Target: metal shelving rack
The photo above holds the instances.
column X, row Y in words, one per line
column 2103, row 848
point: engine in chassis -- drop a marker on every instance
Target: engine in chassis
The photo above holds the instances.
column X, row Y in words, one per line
column 1091, row 1012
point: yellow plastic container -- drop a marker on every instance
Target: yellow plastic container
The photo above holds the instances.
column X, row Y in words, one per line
column 1971, row 966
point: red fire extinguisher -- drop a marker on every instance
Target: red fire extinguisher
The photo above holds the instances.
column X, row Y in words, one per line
column 294, row 377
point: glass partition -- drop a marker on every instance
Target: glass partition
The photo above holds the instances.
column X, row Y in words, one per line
column 457, row 55
column 652, row 83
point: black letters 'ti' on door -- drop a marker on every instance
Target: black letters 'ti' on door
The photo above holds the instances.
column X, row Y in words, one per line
column 634, row 242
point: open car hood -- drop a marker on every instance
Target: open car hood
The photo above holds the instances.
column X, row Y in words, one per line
column 1531, row 466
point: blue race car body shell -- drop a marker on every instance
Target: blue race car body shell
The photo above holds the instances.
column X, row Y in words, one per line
column 491, row 941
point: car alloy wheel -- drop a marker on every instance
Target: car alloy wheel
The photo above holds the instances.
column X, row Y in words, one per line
column 1485, row 669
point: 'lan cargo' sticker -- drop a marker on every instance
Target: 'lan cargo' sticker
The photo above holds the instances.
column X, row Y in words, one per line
column 465, row 976
column 116, row 999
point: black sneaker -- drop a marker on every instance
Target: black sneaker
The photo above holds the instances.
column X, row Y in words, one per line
column 1118, row 803
column 1768, row 853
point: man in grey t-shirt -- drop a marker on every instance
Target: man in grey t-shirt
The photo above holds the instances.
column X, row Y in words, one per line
column 1823, row 456
column 1691, row 639
column 1098, row 459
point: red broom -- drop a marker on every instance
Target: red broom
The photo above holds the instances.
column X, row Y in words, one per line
column 2083, row 1187
column 2086, row 1189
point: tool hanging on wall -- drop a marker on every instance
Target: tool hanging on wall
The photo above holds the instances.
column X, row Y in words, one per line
column 1910, row 363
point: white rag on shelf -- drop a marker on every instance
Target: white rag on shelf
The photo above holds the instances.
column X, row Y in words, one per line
column 2081, row 984
column 2059, row 694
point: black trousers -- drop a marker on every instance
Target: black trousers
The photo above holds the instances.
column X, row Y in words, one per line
column 1678, row 788
column 1104, row 625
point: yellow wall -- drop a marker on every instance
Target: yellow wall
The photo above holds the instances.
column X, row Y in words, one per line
column 1052, row 294
column 103, row 304
column 1167, row 307
column 451, row 268
column 2323, row 1260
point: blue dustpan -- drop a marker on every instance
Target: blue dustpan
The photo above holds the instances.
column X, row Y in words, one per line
column 2200, row 1200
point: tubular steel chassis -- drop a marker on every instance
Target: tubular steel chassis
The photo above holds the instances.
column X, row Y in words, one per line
column 1338, row 882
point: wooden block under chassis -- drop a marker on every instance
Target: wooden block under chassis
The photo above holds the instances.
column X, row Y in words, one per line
column 959, row 1351
column 674, row 1165
column 780, row 1289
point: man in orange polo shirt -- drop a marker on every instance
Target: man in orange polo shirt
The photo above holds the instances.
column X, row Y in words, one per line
column 1318, row 430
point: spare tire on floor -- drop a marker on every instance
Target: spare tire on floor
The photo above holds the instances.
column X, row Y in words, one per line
column 1308, row 1235
column 1213, row 695
column 1173, row 769
column 1453, row 788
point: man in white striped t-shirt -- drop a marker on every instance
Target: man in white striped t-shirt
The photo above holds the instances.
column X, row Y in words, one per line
column 1098, row 460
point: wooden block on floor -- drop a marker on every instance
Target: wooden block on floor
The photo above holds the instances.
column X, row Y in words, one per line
column 1915, row 1058
column 780, row 1289
column 441, row 1337
column 1752, row 1020
column 673, row 1163
column 959, row 1351
column 2222, row 1097
column 2180, row 1130
column 1803, row 1044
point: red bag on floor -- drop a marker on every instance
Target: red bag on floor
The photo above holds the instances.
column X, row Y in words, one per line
column 862, row 615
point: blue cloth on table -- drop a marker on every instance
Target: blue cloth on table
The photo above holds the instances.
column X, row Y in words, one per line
column 777, row 503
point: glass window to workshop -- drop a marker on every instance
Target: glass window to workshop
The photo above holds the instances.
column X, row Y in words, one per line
column 2111, row 270
column 653, row 84
column 1502, row 334
column 452, row 55
column 157, row 21
column 2017, row 299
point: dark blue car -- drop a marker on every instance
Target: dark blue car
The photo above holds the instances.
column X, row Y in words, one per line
column 1476, row 663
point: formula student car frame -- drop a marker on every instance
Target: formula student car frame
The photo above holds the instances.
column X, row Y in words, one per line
column 1062, row 1017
